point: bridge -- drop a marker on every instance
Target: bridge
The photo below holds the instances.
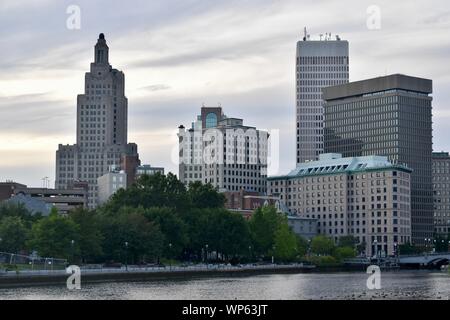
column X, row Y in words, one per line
column 430, row 260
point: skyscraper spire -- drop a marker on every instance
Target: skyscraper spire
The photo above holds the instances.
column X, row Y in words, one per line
column 101, row 50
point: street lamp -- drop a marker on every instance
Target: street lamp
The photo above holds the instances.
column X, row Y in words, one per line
column 375, row 243
column 206, row 255
column 250, row 252
column 170, row 256
column 73, row 253
column 273, row 253
column 126, row 255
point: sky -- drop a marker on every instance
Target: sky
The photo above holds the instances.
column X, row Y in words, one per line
column 179, row 54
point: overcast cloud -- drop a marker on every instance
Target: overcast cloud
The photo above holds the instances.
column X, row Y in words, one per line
column 177, row 55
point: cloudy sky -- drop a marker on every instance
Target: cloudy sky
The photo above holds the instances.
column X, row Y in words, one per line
column 178, row 54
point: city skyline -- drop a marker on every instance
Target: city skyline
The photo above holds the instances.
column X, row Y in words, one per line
column 168, row 74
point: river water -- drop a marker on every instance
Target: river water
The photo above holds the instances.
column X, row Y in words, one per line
column 394, row 285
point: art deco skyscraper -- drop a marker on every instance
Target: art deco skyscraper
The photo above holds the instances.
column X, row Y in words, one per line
column 319, row 63
column 101, row 127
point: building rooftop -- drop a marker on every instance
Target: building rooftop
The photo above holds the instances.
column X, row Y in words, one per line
column 441, row 155
column 332, row 163
column 380, row 84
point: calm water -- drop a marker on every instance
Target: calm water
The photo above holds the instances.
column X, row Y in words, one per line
column 395, row 285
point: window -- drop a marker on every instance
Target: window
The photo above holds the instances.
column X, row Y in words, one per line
column 211, row 120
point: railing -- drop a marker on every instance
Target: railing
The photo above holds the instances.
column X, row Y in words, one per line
column 156, row 269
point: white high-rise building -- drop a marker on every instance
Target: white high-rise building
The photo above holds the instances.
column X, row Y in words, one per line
column 319, row 63
column 222, row 151
column 101, row 127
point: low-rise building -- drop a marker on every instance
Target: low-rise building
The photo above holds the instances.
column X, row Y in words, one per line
column 62, row 199
column 302, row 226
column 148, row 170
column 366, row 197
column 109, row 183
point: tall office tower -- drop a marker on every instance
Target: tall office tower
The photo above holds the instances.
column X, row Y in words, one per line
column 101, row 127
column 365, row 197
column 319, row 64
column 441, row 190
column 222, row 151
column 387, row 116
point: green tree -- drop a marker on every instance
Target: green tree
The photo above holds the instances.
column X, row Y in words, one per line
column 342, row 253
column 90, row 237
column 348, row 241
column 322, row 245
column 155, row 190
column 205, row 196
column 285, row 243
column 145, row 239
column 173, row 228
column 52, row 236
column 408, row 248
column 302, row 246
column 13, row 234
column 263, row 225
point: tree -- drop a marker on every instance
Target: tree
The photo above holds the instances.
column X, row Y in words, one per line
column 13, row 234
column 173, row 228
column 342, row 253
column 155, row 190
column 263, row 225
column 322, row 245
column 145, row 239
column 285, row 243
column 348, row 241
column 408, row 248
column 205, row 196
column 224, row 232
column 302, row 246
column 90, row 237
column 52, row 236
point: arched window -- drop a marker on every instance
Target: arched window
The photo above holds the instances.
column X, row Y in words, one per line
column 211, row 120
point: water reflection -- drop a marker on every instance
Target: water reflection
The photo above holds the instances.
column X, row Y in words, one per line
column 395, row 285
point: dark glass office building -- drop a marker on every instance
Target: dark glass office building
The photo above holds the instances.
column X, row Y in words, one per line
column 387, row 116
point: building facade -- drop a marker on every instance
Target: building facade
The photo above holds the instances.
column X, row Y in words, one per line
column 388, row 116
column 319, row 64
column 109, row 183
column 148, row 170
column 222, row 151
column 441, row 193
column 102, row 113
column 64, row 200
column 365, row 197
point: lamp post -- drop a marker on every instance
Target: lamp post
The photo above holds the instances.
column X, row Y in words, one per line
column 126, row 255
column 170, row 256
column 250, row 252
column 273, row 253
column 206, row 255
column 73, row 253
column 375, row 244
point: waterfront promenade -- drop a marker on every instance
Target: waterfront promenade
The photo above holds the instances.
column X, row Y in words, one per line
column 143, row 273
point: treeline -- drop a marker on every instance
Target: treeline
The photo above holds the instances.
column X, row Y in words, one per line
column 159, row 218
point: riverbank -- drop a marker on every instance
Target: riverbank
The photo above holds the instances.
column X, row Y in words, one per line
column 92, row 276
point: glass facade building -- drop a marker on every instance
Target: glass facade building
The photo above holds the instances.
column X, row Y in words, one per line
column 387, row 116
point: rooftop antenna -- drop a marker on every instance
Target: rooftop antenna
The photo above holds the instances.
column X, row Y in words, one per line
column 305, row 37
